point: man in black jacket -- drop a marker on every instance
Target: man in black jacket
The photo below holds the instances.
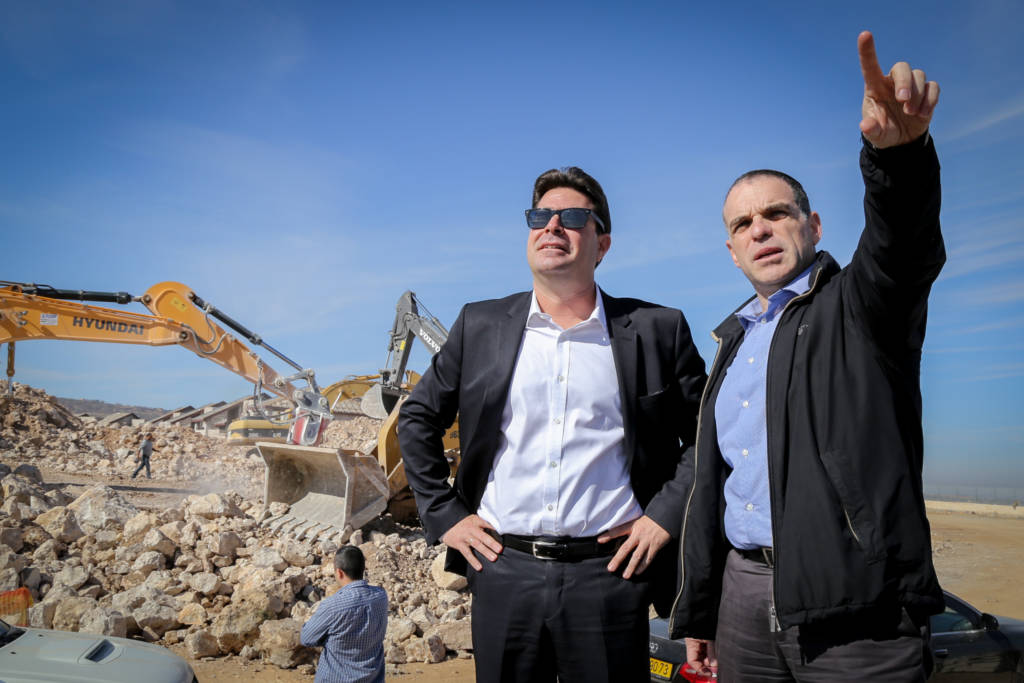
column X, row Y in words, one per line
column 574, row 407
column 806, row 550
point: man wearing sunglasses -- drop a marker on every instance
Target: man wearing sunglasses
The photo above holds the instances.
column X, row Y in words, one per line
column 574, row 407
column 806, row 549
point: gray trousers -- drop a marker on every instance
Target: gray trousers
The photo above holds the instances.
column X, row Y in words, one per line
column 893, row 650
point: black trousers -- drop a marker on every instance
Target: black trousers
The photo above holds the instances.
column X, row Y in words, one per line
column 537, row 621
column 892, row 649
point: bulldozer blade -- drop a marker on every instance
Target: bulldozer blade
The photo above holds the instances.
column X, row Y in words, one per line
column 327, row 489
column 378, row 402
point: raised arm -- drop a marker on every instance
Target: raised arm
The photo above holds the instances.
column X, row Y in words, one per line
column 897, row 107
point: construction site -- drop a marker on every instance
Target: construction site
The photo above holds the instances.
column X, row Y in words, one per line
column 224, row 550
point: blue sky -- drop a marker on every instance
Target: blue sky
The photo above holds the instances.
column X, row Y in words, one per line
column 300, row 165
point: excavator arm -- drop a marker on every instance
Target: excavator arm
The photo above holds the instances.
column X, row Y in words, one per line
column 180, row 317
column 409, row 323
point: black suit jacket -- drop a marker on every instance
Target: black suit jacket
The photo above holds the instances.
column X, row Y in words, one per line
column 661, row 377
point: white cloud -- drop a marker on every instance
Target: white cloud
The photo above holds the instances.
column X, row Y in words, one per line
column 1006, row 112
column 1003, row 324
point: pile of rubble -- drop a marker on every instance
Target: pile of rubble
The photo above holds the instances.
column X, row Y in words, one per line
column 203, row 573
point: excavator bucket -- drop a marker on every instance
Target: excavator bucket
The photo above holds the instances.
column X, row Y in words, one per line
column 327, row 489
column 379, row 401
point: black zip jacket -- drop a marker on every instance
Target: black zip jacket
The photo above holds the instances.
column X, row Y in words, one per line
column 844, row 424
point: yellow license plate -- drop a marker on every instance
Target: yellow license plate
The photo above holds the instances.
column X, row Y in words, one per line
column 661, row 669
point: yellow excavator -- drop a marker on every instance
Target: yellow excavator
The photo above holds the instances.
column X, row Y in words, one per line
column 328, row 490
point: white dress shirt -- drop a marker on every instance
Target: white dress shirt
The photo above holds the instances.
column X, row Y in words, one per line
column 560, row 469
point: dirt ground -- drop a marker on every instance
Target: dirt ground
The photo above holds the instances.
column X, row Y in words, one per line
column 978, row 553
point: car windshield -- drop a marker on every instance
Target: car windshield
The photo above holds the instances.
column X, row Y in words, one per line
column 8, row 632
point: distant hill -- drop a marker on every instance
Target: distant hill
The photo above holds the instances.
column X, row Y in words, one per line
column 88, row 406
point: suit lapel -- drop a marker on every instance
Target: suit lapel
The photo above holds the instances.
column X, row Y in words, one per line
column 508, row 336
column 625, row 352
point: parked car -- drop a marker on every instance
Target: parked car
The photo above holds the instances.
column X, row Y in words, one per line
column 969, row 646
column 34, row 655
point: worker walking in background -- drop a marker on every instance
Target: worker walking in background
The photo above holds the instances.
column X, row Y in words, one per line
column 145, row 450
column 349, row 625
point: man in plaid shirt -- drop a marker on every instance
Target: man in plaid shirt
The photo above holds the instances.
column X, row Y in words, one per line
column 349, row 625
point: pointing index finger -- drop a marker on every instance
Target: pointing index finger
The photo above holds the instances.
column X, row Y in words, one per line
column 873, row 76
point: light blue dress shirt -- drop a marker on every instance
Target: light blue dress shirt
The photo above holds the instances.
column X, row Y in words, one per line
column 350, row 626
column 741, row 420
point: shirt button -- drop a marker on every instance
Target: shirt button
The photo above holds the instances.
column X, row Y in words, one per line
column 554, row 464
column 551, row 507
column 557, row 421
column 750, row 507
column 750, row 360
column 745, row 452
column 746, row 404
column 561, row 378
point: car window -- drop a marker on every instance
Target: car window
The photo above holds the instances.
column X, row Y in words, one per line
column 951, row 620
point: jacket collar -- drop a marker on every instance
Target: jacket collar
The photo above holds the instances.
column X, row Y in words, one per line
column 822, row 270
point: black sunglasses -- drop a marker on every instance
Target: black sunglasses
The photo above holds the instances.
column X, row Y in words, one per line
column 572, row 219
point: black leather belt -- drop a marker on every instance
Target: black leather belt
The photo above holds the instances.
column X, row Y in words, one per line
column 562, row 548
column 765, row 556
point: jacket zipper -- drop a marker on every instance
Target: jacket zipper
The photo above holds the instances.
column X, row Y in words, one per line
column 689, row 498
column 849, row 523
column 767, row 428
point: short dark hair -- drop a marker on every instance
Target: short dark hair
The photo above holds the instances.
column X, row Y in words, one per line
column 799, row 195
column 351, row 561
column 575, row 178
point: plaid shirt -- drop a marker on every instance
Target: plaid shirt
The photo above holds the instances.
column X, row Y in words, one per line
column 350, row 625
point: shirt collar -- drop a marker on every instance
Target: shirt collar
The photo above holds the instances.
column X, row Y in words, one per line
column 354, row 584
column 538, row 318
column 752, row 313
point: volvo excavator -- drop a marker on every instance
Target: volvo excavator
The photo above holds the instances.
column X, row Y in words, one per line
column 327, row 489
column 383, row 400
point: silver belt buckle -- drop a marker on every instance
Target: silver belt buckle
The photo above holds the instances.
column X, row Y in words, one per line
column 539, row 546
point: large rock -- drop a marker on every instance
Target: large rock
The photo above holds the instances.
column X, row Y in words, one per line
column 101, row 507
column 445, row 579
column 30, row 472
column 70, row 611
column 280, row 643
column 192, row 614
column 423, row 618
column 72, row 576
column 149, row 561
column 206, row 583
column 61, row 523
column 269, row 558
column 105, row 621
column 40, row 615
column 17, row 489
column 201, row 644
column 455, row 635
column 158, row 541
column 401, row 628
column 136, row 528
column 430, row 649
column 159, row 618
column 128, row 601
column 238, row 625
column 12, row 560
column 295, row 553
column 12, row 537
column 212, row 506
column 223, row 543
column 10, row 579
